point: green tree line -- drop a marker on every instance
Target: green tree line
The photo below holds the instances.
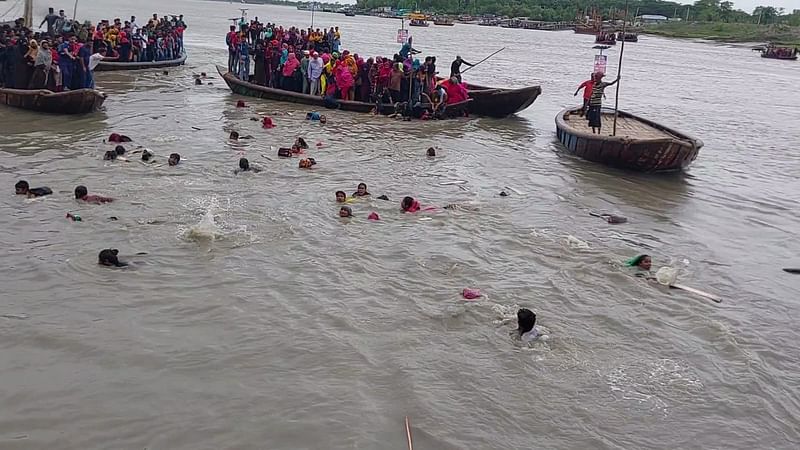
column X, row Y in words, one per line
column 568, row 10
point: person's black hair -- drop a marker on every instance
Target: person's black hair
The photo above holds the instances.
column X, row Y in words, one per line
column 198, row 81
column 120, row 150
column 340, row 192
column 22, row 184
column 244, row 164
column 348, row 209
column 146, row 155
column 526, row 319
column 175, row 156
column 638, row 260
column 431, row 151
column 111, row 154
column 383, row 197
column 81, row 192
column 108, row 257
column 302, row 143
column 234, row 135
column 406, row 203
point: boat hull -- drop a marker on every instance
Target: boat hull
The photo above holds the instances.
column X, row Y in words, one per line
column 673, row 152
column 500, row 102
column 106, row 66
column 240, row 87
column 785, row 58
column 79, row 101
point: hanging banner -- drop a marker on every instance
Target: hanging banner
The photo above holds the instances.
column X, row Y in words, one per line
column 600, row 63
column 402, row 36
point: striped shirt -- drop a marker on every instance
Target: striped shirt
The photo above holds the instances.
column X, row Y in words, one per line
column 597, row 93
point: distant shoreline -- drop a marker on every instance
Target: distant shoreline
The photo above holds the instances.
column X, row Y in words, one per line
column 735, row 33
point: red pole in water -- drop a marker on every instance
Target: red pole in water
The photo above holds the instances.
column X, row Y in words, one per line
column 619, row 69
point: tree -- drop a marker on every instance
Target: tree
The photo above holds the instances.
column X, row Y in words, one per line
column 765, row 14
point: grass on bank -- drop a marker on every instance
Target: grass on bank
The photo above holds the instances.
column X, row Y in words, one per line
column 729, row 32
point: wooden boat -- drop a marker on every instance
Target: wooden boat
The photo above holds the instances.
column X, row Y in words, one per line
column 605, row 39
column 349, row 14
column 443, row 21
column 627, row 37
column 254, row 90
column 499, row 102
column 785, row 53
column 418, row 20
column 79, row 101
column 105, row 66
column 640, row 144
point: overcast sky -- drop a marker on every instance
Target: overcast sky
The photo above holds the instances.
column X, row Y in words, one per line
column 750, row 5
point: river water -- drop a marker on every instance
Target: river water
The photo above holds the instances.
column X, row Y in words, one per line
column 256, row 318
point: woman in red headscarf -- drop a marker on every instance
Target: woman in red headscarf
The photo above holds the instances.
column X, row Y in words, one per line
column 289, row 75
column 456, row 92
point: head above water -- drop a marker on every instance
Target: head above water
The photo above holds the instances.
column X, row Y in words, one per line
column 22, row 187
column 119, row 150
column 174, row 159
column 244, row 164
column 431, row 151
column 345, row 211
column 341, row 197
column 406, row 203
column 526, row 319
column 234, row 135
column 361, row 189
column 108, row 257
column 81, row 192
column 146, row 155
column 642, row 262
column 110, row 155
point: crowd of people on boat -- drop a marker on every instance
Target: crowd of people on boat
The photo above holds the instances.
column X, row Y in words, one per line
column 772, row 51
column 313, row 62
column 65, row 55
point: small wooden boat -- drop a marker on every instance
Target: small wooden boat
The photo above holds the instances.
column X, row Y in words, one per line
column 443, row 21
column 640, row 144
column 254, row 90
column 105, row 66
column 79, row 101
column 418, row 20
column 499, row 102
column 605, row 39
column 349, row 14
column 627, row 37
column 773, row 52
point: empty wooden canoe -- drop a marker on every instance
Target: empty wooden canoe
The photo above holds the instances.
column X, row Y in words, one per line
column 79, row 101
column 640, row 144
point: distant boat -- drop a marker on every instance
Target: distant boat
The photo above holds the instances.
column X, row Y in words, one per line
column 605, row 39
column 627, row 37
column 773, row 52
column 640, row 144
column 443, row 21
column 418, row 20
column 349, row 13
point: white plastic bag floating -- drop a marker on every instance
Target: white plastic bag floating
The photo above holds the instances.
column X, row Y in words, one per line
column 667, row 276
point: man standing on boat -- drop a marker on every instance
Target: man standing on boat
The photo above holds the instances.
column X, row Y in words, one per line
column 315, row 66
column 51, row 19
column 455, row 68
column 594, row 114
column 232, row 40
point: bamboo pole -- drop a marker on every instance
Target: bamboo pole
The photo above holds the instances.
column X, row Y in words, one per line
column 619, row 69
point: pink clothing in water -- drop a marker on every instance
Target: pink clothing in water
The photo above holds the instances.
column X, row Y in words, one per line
column 96, row 199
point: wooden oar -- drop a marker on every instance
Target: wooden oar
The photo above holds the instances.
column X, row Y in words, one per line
column 408, row 433
column 697, row 292
column 789, row 270
column 484, row 59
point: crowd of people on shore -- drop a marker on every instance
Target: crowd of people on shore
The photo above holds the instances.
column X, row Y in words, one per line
column 313, row 62
column 65, row 55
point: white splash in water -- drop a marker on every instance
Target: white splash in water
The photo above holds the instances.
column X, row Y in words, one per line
column 205, row 230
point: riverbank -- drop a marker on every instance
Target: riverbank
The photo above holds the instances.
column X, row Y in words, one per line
column 729, row 32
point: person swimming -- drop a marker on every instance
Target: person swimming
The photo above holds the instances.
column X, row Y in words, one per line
column 119, row 150
column 147, row 155
column 313, row 116
column 81, row 193
column 431, row 151
column 409, row 205
column 244, row 166
column 174, row 159
column 110, row 155
column 234, row 136
column 307, row 163
column 23, row 188
column 345, row 211
column 526, row 320
column 300, row 143
column 108, row 257
column 116, row 137
column 323, row 120
column 361, row 190
column 641, row 262
column 341, row 197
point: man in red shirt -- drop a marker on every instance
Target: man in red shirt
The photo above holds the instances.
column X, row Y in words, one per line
column 587, row 92
column 232, row 39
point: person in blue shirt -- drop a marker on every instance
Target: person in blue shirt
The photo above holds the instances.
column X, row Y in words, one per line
column 66, row 62
column 244, row 61
column 407, row 49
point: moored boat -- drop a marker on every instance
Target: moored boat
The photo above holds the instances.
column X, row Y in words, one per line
column 418, row 20
column 605, row 39
column 640, row 145
column 254, row 90
column 627, row 37
column 105, row 66
column 443, row 21
column 79, row 101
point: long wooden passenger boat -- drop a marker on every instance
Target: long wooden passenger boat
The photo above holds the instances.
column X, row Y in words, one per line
column 79, row 101
column 627, row 37
column 640, row 144
column 254, row 90
column 116, row 65
column 784, row 53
